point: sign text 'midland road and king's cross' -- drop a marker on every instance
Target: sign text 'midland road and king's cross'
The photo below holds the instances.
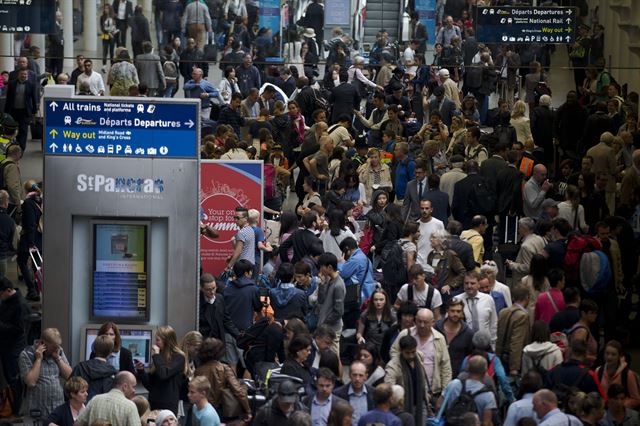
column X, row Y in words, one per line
column 132, row 128
column 526, row 25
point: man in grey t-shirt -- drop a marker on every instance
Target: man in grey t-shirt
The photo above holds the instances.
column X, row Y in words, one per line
column 331, row 293
column 244, row 240
column 318, row 164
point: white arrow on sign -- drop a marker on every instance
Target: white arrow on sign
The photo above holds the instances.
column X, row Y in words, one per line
column 53, row 105
column 189, row 123
column 53, row 147
column 568, row 21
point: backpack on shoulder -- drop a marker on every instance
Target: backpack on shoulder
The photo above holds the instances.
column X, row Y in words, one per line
column 577, row 246
column 482, row 198
column 465, row 403
column 394, row 271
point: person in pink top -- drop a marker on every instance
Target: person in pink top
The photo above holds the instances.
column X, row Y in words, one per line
column 551, row 301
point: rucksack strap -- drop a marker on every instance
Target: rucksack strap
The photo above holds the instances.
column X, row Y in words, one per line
column 555, row 307
column 430, row 293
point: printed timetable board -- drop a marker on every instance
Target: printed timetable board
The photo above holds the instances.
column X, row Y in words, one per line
column 120, row 287
column 547, row 25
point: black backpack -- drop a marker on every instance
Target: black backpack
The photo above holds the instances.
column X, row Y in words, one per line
column 249, row 336
column 465, row 403
column 482, row 198
column 394, row 270
column 3, row 166
column 430, row 293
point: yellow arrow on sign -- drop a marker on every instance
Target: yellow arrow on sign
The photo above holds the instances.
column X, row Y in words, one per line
column 53, row 133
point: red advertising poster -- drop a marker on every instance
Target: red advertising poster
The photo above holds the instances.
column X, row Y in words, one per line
column 225, row 185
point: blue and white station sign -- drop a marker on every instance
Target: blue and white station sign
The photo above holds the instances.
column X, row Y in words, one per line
column 136, row 127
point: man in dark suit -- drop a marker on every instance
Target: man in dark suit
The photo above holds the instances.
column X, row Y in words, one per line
column 461, row 205
column 344, row 98
column 418, row 31
column 416, row 189
column 494, row 164
column 446, row 106
column 439, row 199
column 357, row 393
column 509, row 187
column 22, row 104
column 597, row 123
column 123, row 10
column 214, row 317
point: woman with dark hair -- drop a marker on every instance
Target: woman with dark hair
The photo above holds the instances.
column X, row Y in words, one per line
column 220, row 376
column 541, row 352
column 329, row 359
column 232, row 149
column 311, row 198
column 121, row 358
column 341, row 414
column 296, row 137
column 536, row 281
column 615, row 370
column 335, row 233
column 108, row 33
column 298, row 352
column 122, row 74
column 333, row 197
column 355, row 190
column 376, row 319
column 369, row 355
column 393, row 223
column 229, row 84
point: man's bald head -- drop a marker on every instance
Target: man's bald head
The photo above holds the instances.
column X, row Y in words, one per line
column 425, row 314
column 540, row 173
column 424, row 322
column 124, row 377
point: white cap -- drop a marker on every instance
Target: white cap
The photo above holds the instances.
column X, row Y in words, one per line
column 444, row 72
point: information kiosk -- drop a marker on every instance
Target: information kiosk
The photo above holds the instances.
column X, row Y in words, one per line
column 121, row 191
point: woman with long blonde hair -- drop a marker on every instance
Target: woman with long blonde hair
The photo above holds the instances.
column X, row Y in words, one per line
column 520, row 122
column 169, row 366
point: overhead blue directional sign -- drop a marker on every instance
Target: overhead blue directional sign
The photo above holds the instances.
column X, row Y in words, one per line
column 135, row 127
column 547, row 25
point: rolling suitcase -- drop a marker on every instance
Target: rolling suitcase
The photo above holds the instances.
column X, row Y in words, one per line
column 36, row 259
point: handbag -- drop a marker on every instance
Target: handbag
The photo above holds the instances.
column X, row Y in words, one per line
column 230, row 404
column 6, row 401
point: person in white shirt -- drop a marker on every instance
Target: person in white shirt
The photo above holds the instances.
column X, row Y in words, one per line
column 535, row 191
column 428, row 224
column 96, row 83
column 409, row 57
column 490, row 268
column 479, row 308
column 419, row 292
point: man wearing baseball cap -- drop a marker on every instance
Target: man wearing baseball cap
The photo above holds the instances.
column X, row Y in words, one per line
column 451, row 90
column 277, row 411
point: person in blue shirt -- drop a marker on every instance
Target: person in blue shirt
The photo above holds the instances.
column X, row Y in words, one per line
column 203, row 412
column 200, row 88
column 382, row 413
column 287, row 300
column 404, row 168
column 531, row 383
column 356, row 268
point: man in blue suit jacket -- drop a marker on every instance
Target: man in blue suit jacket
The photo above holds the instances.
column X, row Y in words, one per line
column 22, row 104
column 439, row 199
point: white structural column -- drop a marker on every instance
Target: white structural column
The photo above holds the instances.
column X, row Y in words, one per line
column 66, row 7
column 6, row 46
column 91, row 26
column 146, row 6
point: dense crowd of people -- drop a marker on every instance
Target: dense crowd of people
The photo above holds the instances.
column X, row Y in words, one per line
column 438, row 257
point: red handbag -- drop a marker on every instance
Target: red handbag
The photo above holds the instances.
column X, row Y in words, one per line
column 366, row 242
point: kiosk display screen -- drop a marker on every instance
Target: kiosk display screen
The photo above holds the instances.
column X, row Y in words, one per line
column 137, row 340
column 120, row 281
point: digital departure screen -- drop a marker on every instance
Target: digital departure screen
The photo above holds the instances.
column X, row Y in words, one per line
column 138, row 339
column 120, row 281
